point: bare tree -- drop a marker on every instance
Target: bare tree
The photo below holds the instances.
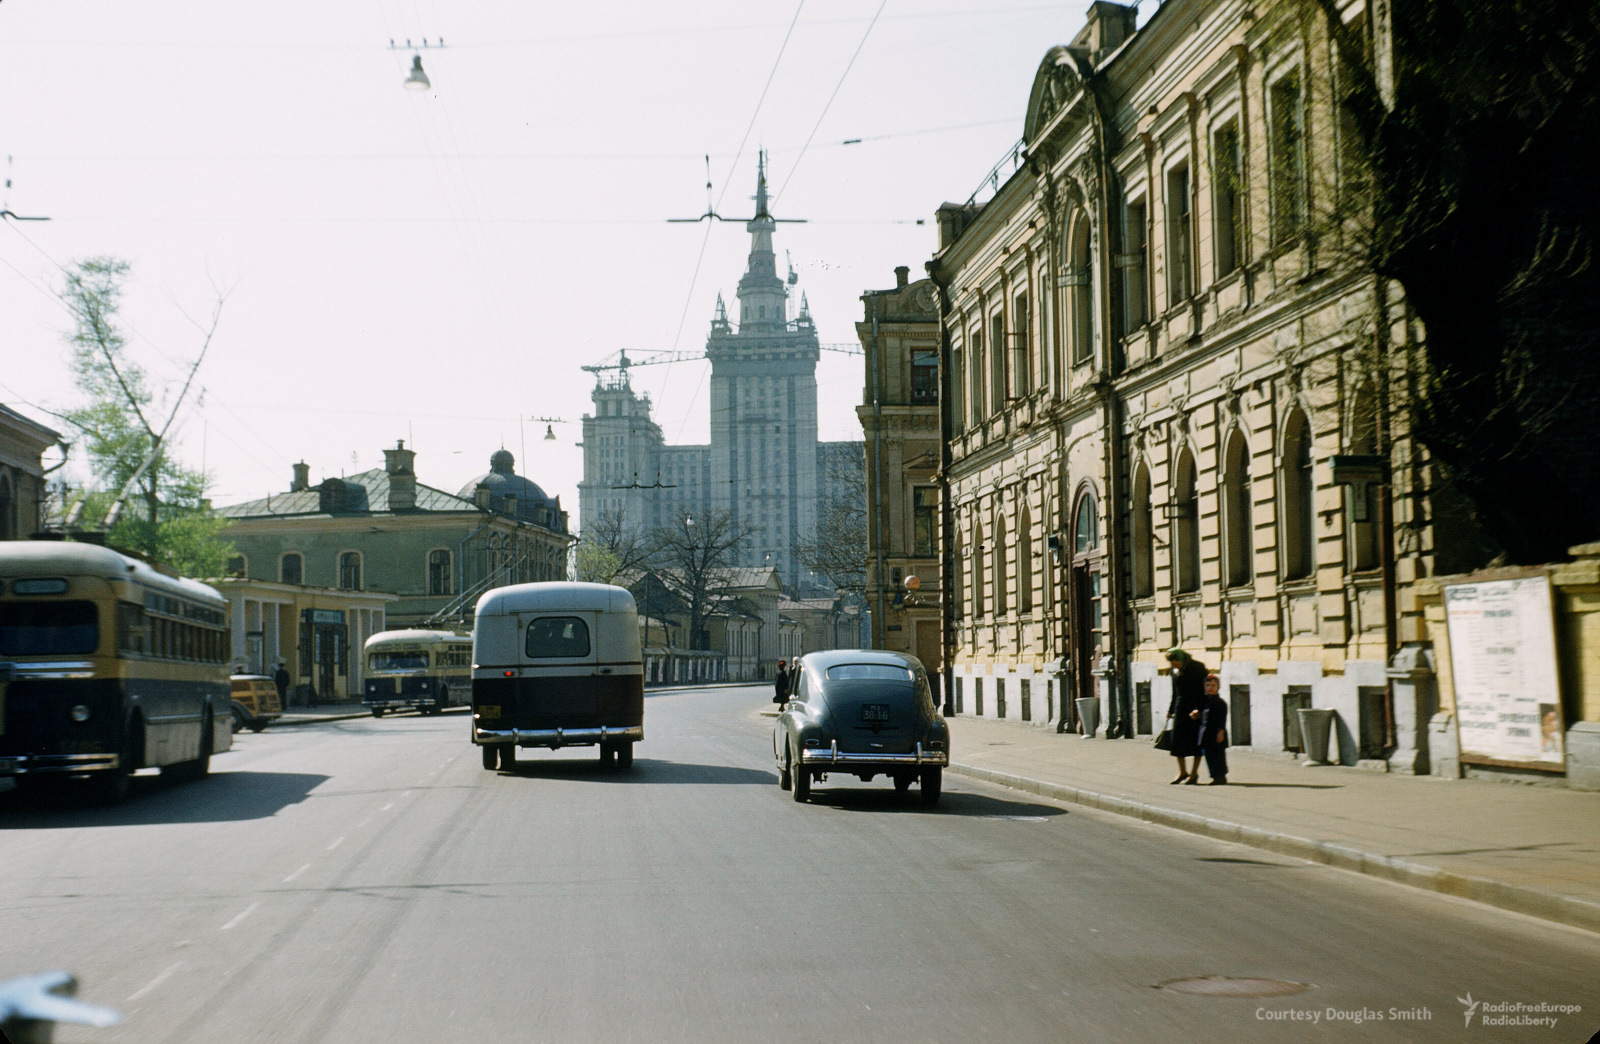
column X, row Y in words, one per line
column 837, row 547
column 610, row 547
column 698, row 552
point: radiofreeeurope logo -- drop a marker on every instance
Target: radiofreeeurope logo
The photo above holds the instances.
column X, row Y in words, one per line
column 1515, row 1013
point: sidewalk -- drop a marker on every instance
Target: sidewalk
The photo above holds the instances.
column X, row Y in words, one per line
column 1532, row 849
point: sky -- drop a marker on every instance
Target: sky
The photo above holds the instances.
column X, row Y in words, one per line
column 435, row 266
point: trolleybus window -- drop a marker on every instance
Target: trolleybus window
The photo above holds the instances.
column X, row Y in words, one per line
column 398, row 661
column 48, row 628
column 554, row 636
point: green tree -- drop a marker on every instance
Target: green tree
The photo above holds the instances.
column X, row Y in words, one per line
column 125, row 440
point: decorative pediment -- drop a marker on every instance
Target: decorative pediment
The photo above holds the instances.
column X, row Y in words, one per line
column 1056, row 84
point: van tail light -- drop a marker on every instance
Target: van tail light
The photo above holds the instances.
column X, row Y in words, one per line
column 510, row 674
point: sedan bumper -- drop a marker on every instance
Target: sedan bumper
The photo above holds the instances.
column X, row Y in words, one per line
column 554, row 738
column 833, row 756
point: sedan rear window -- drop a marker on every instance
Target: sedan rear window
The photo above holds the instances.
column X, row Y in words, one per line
column 551, row 637
column 48, row 628
column 869, row 672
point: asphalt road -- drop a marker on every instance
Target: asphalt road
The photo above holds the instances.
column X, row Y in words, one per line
column 369, row 881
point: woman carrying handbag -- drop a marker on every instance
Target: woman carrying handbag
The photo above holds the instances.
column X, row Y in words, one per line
column 1182, row 730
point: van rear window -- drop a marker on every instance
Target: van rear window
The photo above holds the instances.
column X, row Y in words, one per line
column 48, row 628
column 551, row 637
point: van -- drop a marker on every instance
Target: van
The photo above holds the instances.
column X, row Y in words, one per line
column 557, row 665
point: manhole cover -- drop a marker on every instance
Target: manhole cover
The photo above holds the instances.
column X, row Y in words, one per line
column 1227, row 986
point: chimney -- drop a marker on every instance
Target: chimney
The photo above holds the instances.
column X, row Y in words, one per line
column 402, row 479
column 901, row 274
column 480, row 497
column 302, row 478
column 1105, row 29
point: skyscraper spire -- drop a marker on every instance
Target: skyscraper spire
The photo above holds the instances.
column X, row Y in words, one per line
column 763, row 299
column 761, row 184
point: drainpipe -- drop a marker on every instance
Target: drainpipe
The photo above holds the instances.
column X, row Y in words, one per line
column 1391, row 643
column 947, row 525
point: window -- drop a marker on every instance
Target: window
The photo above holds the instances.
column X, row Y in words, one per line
column 235, row 565
column 1363, row 498
column 1298, row 516
column 924, row 377
column 131, row 629
column 1025, row 563
column 977, row 376
column 1022, row 366
column 1286, row 154
column 1236, row 511
column 1133, row 263
column 1000, row 567
column 870, row 672
column 978, row 555
column 350, row 571
column 1086, row 529
column 998, row 387
column 438, row 572
column 1080, row 284
column 958, row 391
column 553, row 637
column 1186, row 525
column 291, row 569
column 1180, row 234
column 1239, row 709
column 1144, row 544
column 48, row 628
column 1227, row 183
column 924, row 524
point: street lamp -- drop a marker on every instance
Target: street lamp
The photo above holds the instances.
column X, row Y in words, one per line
column 418, row 80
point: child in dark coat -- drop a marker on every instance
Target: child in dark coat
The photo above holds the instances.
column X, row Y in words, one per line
column 1214, row 732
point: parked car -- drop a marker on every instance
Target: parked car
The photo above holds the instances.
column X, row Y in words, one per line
column 863, row 713
column 255, row 702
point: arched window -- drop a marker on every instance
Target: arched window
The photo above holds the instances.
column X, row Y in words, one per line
column 292, row 568
column 979, row 553
column 1185, row 525
column 1144, row 543
column 958, row 390
column 350, row 571
column 957, row 589
column 8, row 511
column 438, row 572
column 1086, row 527
column 1080, row 281
column 1364, row 499
column 1299, row 536
column 1000, row 604
column 975, row 364
column 1237, row 515
column 1025, row 570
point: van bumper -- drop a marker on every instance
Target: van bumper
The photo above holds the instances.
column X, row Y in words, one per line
column 554, row 738
column 28, row 764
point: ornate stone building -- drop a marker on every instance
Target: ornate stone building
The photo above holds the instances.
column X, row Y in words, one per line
column 763, row 461
column 1167, row 399
column 22, row 492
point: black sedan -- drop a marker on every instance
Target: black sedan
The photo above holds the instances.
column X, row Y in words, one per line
column 864, row 713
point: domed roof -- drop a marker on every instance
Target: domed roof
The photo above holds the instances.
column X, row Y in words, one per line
column 503, row 481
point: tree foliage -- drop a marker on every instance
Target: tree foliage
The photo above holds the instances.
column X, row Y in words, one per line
column 699, row 552
column 124, row 436
column 1481, row 169
column 612, row 546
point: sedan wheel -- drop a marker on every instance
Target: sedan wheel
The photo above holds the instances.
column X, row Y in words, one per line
column 608, row 755
column 903, row 783
column 508, row 757
column 802, row 778
column 377, row 712
column 785, row 773
column 932, row 781
column 624, row 756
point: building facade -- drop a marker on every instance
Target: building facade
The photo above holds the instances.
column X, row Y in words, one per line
column 763, row 463
column 900, row 335
column 22, row 484
column 1168, row 406
column 382, row 530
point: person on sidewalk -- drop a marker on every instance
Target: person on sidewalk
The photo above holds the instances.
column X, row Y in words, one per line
column 280, row 681
column 1185, row 711
column 1214, row 732
column 780, row 687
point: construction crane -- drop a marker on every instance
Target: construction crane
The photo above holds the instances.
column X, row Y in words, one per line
column 620, row 361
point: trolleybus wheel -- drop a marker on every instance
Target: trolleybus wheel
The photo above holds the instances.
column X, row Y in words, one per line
column 199, row 766
column 491, row 757
column 377, row 712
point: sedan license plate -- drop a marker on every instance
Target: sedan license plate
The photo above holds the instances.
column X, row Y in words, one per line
column 874, row 712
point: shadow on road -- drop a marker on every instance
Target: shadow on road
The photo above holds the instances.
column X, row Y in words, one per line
column 951, row 803
column 220, row 797
column 645, row 770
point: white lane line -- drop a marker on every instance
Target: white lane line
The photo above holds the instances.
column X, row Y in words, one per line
column 387, row 807
column 336, row 844
column 241, row 916
column 363, row 823
column 297, row 873
column 406, row 793
column 153, row 983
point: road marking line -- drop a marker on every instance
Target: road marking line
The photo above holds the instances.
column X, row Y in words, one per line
column 336, row 844
column 387, row 807
column 406, row 794
column 153, row 983
column 363, row 823
column 247, row 912
column 297, row 873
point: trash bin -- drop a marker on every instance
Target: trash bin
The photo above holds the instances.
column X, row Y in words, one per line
column 1089, row 715
column 1316, row 726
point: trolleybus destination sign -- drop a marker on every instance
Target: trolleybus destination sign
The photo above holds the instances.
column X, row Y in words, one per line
column 1503, row 659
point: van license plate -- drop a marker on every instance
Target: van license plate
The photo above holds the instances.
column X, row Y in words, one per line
column 874, row 712
column 488, row 710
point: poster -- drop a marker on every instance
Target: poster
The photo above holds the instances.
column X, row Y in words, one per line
column 1503, row 656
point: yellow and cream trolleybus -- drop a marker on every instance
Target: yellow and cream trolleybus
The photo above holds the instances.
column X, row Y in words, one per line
column 107, row 665
column 427, row 670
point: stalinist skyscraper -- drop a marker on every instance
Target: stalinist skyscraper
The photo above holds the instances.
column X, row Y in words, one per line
column 764, row 461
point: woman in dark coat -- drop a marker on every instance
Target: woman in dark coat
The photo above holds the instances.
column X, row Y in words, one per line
column 781, row 684
column 1185, row 712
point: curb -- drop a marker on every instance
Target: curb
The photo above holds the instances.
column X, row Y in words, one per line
column 1535, row 902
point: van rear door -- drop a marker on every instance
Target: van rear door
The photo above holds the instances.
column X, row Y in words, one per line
column 559, row 658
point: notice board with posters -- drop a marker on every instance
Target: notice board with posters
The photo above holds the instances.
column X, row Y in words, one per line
column 1503, row 657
